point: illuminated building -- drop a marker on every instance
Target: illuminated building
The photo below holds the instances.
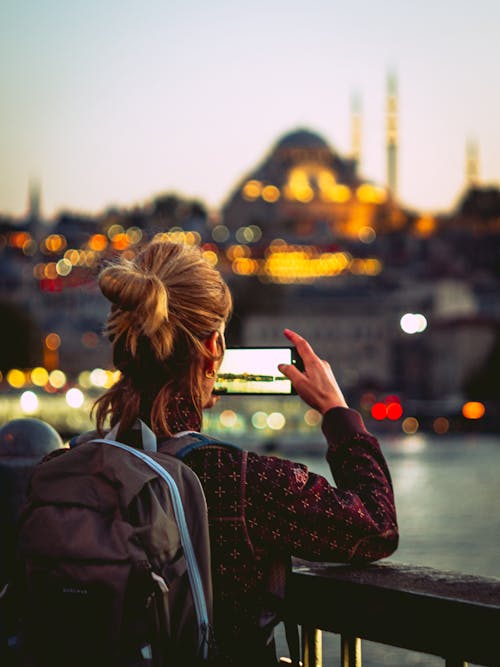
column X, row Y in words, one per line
column 305, row 190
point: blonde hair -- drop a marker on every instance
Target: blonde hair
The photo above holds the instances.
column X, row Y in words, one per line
column 166, row 302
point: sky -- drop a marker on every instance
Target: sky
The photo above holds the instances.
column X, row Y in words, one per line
column 110, row 103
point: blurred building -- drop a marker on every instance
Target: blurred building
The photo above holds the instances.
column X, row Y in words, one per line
column 306, row 242
column 304, row 189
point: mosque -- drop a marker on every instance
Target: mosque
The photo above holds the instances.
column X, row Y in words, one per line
column 305, row 189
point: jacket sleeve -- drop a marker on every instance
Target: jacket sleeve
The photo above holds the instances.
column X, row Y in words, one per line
column 288, row 507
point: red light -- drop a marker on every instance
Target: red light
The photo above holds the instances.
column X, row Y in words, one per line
column 379, row 411
column 392, row 399
column 394, row 411
column 51, row 284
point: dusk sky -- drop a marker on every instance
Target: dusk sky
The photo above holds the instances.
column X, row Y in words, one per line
column 112, row 102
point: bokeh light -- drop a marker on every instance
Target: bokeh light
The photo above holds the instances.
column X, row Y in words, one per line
column 16, row 378
column 29, row 402
column 39, row 376
column 52, row 341
column 367, row 234
column 84, row 379
column 410, row 425
column 220, row 233
column 412, row 323
column 441, row 425
column 228, row 418
column 276, row 421
column 74, row 398
column 379, row 411
column 312, row 417
column 57, row 379
column 259, row 420
column 473, row 410
column 98, row 377
column 394, row 411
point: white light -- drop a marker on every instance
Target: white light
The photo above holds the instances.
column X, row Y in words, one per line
column 98, row 377
column 259, row 420
column 74, row 398
column 228, row 418
column 57, row 379
column 276, row 421
column 422, row 322
column 29, row 402
column 412, row 323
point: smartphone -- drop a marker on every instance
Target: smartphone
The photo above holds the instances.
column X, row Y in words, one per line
column 254, row 370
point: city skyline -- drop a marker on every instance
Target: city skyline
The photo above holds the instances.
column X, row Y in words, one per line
column 111, row 103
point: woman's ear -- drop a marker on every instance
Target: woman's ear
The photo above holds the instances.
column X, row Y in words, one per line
column 212, row 344
column 216, row 345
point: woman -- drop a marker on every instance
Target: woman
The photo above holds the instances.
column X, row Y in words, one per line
column 167, row 321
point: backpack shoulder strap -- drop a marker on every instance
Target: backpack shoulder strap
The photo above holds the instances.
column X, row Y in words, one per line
column 182, row 445
column 189, row 553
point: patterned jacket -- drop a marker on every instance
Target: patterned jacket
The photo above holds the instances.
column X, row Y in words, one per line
column 264, row 508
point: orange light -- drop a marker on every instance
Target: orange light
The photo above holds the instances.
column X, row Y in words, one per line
column 473, row 410
column 98, row 242
column 251, row 190
column 51, row 271
column 210, row 256
column 18, row 239
column 340, row 193
column 120, row 241
column 425, row 226
column 441, row 425
column 55, row 243
column 410, row 425
column 52, row 341
column 270, row 194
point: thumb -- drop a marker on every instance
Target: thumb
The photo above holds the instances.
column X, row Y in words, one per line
column 290, row 371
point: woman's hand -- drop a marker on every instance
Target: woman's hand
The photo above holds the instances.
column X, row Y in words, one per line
column 317, row 385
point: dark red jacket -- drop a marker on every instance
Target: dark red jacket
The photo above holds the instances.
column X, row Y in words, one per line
column 263, row 508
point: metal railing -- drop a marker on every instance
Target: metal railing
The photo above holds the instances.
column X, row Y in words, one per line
column 448, row 614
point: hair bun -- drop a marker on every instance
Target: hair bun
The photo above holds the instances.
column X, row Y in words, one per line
column 133, row 290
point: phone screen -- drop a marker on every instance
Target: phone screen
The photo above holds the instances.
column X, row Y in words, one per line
column 254, row 370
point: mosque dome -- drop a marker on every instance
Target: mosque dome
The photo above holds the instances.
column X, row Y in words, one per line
column 303, row 185
column 301, row 138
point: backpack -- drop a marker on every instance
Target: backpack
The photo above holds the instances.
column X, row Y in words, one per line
column 116, row 556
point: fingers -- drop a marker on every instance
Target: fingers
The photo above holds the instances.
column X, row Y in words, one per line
column 291, row 372
column 303, row 348
column 317, row 385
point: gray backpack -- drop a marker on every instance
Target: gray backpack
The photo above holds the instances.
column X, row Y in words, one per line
column 116, row 556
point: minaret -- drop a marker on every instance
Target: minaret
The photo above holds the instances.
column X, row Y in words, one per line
column 33, row 217
column 356, row 130
column 392, row 134
column 34, row 201
column 472, row 164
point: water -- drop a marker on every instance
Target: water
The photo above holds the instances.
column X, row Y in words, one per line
column 447, row 497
